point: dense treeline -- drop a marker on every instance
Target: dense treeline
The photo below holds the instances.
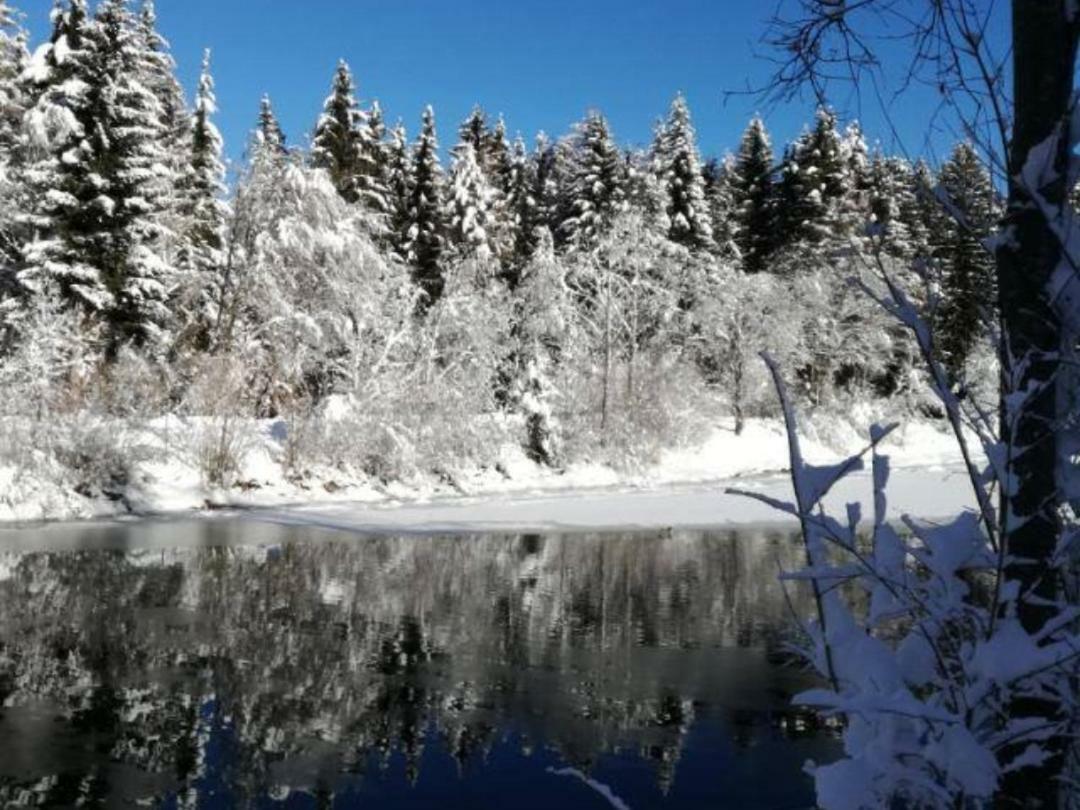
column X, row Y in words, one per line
column 571, row 294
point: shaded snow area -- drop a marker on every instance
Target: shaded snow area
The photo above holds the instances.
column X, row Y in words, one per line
column 683, row 488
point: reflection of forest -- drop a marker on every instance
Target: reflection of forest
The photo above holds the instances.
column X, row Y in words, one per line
column 136, row 674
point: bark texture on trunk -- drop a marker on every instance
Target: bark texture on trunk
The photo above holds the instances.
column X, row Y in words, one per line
column 1044, row 56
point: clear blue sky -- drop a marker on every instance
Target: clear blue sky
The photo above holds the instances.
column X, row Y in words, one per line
column 540, row 64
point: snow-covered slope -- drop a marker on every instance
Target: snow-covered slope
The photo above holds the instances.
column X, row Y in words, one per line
column 682, row 489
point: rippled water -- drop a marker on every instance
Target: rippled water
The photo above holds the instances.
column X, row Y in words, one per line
column 237, row 663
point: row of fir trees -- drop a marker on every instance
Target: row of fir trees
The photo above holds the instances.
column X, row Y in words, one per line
column 116, row 213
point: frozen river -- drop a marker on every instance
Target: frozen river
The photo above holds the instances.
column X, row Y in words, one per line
column 242, row 662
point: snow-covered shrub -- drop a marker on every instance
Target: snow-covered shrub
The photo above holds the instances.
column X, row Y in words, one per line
column 741, row 316
column 424, row 400
column 218, row 405
column 133, row 386
column 310, row 286
column 847, row 340
column 926, row 674
column 666, row 404
column 98, row 453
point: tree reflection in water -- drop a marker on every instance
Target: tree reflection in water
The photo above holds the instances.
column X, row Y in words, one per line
column 252, row 665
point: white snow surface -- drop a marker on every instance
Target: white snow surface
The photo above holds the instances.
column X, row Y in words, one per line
column 683, row 489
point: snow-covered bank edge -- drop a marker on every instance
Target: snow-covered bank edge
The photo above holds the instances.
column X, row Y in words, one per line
column 170, row 484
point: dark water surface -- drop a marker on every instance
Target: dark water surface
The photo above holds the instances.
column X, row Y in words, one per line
column 234, row 663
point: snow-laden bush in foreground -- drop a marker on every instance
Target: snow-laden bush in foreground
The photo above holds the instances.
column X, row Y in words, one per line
column 928, row 662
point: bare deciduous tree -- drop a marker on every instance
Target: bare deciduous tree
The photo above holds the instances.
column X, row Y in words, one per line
column 1023, row 131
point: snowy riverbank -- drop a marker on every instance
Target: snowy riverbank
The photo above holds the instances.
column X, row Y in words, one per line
column 683, row 488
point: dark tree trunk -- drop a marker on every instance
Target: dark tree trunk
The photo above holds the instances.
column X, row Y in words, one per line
column 1044, row 55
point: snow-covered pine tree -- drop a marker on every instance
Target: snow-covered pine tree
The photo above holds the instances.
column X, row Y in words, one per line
column 335, row 146
column 469, row 208
column 966, row 269
column 677, row 166
column 269, row 131
column 595, row 192
column 425, row 236
column 203, row 217
column 752, row 197
column 100, row 197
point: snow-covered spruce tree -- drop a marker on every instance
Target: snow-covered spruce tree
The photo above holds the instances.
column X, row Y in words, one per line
column 399, row 183
column 522, row 210
column 159, row 71
column 374, row 173
column 814, row 181
column 545, row 190
column 53, row 126
column 645, row 189
column 252, row 212
column 719, row 178
column 894, row 236
column 752, row 193
column 595, row 190
column 498, row 166
column 543, row 315
column 852, row 207
column 474, row 130
column 100, row 198
column 203, row 216
column 159, row 75
column 498, row 159
column 967, row 283
column 14, row 88
column 493, row 157
column 269, row 131
column 335, row 145
column 470, row 201
column 15, row 97
column 891, row 194
column 490, row 145
column 677, row 166
column 426, row 232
